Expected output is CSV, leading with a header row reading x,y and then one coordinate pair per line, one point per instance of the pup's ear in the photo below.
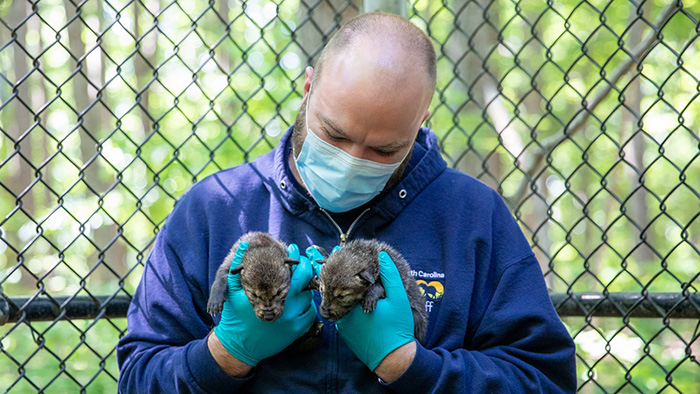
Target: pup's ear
x,y
366,276
237,269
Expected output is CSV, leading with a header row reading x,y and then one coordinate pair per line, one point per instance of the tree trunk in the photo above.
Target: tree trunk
x,y
224,59
87,123
638,209
43,196
22,121
482,94
469,45
398,7
146,49
317,24
91,130
20,130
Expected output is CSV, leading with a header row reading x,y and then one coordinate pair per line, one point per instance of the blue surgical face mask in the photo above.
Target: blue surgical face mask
x,y
337,180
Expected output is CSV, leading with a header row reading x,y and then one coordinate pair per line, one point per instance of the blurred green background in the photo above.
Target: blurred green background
x,y
583,115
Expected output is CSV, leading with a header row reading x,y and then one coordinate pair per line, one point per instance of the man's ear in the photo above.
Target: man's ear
x,y
427,114
308,77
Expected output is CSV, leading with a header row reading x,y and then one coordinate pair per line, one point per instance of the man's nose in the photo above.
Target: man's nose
x,y
356,150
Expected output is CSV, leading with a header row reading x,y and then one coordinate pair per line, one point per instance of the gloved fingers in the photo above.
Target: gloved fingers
x,y
301,276
335,249
317,258
238,256
391,279
298,305
355,312
235,279
309,316
314,254
301,322
293,251
317,268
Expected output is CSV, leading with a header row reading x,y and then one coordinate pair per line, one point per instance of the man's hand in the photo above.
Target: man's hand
x,y
383,332
317,258
250,339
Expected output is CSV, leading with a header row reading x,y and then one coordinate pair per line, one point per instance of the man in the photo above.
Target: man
x,y
356,164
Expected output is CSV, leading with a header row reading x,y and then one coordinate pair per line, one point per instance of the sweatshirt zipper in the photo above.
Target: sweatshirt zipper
x,y
344,235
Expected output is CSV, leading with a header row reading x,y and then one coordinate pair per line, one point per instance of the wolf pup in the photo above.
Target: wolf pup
x,y
351,275
266,275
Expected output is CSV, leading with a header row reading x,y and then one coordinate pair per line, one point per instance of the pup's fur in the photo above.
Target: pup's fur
x,y
265,276
351,275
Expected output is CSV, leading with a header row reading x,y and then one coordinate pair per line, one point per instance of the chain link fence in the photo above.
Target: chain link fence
x,y
583,115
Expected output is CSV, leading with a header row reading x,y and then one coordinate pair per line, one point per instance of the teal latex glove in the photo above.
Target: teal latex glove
x,y
250,339
372,336
315,256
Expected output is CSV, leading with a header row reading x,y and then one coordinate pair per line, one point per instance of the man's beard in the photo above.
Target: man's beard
x,y
299,131
299,135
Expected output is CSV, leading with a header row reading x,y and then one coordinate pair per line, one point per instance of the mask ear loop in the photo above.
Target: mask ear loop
x,y
306,121
308,130
308,101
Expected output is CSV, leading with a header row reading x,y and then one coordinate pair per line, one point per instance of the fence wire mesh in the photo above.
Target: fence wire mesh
x,y
583,115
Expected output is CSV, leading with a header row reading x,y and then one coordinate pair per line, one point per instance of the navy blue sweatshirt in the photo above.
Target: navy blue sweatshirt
x,y
492,327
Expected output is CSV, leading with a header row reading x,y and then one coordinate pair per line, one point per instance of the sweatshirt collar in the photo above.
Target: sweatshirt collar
x,y
425,165
428,165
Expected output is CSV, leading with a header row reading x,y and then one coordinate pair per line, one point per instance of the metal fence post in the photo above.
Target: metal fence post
x,y
4,311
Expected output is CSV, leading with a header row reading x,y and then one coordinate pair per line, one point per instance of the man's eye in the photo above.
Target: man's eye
x,y
333,137
384,153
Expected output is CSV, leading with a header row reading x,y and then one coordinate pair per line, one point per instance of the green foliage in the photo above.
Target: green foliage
x,y
61,357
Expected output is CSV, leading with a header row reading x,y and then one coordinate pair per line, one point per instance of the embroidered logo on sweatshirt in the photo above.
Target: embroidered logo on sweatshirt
x,y
432,290
430,286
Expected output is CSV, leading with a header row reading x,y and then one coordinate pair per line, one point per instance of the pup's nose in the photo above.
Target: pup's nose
x,y
268,316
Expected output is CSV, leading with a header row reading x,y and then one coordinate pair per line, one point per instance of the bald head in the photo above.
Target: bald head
x,y
385,47
372,87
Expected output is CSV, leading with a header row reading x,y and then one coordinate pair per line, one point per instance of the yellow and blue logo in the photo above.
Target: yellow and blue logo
x,y
432,290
